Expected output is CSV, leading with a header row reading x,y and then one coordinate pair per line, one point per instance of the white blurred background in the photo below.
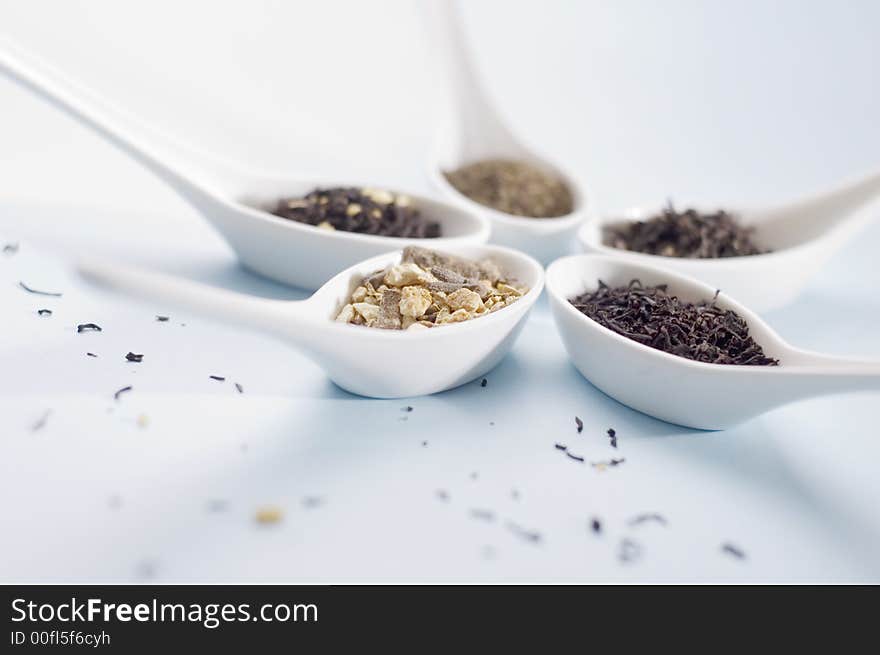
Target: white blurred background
x,y
706,99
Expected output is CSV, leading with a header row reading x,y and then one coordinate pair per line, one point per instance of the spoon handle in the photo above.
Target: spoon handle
x,y
279,317
471,118
141,145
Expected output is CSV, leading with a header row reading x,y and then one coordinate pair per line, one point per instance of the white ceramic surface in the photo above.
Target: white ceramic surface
x,y
365,361
472,130
679,390
231,198
802,234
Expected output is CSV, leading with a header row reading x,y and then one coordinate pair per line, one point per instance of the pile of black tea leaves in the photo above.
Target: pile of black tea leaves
x,y
689,234
649,315
362,210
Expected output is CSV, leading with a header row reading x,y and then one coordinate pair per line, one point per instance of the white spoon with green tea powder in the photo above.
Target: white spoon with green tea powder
x,y
801,235
680,390
471,131
230,198
363,360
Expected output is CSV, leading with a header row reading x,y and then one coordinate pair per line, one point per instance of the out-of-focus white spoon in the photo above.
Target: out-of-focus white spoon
x,y
471,130
679,390
802,235
231,198
366,361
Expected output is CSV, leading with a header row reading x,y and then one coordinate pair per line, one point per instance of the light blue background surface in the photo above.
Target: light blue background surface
x,y
748,104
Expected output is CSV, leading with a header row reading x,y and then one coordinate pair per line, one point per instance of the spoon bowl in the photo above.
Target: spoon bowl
x,y
471,130
679,390
365,361
801,235
231,199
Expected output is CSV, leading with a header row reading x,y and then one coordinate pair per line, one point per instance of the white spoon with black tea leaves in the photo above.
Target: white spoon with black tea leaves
x,y
472,131
363,360
801,236
679,390
232,200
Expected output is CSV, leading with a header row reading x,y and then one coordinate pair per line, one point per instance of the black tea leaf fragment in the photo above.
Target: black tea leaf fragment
x,y
408,408
596,526
121,391
41,422
39,293
647,518
44,312
560,446
612,435
162,319
91,354
483,514
239,388
532,536
484,382
88,327
133,357
733,551
579,424
218,378
577,458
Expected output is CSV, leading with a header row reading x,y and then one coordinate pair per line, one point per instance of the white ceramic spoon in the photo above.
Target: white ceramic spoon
x,y
679,390
803,235
230,198
471,130
366,361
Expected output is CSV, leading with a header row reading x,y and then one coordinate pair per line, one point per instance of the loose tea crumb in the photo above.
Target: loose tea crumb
x,y
239,388
91,354
649,315
579,423
218,378
532,536
268,515
121,391
133,357
39,293
560,446
629,551
601,466
366,211
612,436
689,234
88,327
484,382
408,408
428,289
513,187
647,518
577,458
41,422
596,526
162,319
44,312
483,514
733,551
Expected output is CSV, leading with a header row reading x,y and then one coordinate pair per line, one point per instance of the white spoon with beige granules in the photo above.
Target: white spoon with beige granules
x,y
423,321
